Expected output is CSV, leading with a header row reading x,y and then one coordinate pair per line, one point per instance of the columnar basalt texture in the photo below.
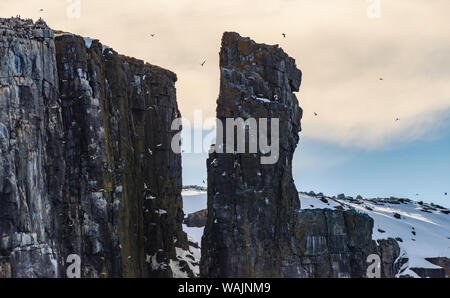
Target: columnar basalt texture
x,y
118,112
32,166
252,207
335,244
255,227
86,165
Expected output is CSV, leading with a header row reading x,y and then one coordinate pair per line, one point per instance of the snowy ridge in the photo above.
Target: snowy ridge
x,y
422,230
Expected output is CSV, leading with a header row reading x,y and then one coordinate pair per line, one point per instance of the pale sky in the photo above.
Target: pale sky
x,y
341,51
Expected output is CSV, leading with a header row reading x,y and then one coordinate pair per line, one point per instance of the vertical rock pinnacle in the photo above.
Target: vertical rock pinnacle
x,y
252,199
255,227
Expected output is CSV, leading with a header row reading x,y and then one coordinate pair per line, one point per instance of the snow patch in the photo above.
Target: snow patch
x,y
161,212
88,42
422,234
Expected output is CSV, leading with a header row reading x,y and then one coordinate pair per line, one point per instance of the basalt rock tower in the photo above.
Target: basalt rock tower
x,y
255,227
252,206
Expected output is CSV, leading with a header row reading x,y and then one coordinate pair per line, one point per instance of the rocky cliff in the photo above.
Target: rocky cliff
x,y
255,227
32,166
85,161
336,244
86,168
252,207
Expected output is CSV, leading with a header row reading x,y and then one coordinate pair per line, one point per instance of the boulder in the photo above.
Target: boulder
x,y
196,219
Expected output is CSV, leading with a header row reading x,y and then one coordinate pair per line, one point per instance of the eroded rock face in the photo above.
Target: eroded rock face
x,y
32,166
196,219
251,206
255,227
330,243
442,262
119,112
5,268
391,262
337,244
85,160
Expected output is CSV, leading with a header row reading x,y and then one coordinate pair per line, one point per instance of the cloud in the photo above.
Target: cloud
x,y
341,52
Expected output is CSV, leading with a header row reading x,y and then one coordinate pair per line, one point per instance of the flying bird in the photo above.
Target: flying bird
x,y
203,63
445,194
381,79
41,9
284,35
315,114
152,35
397,119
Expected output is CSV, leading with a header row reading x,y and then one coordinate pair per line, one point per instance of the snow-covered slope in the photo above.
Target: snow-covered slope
x,y
193,201
422,230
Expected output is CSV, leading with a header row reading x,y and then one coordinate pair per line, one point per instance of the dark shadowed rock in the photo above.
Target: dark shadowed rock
x,y
32,166
86,165
196,219
389,252
430,273
255,227
118,111
251,207
5,268
330,243
442,262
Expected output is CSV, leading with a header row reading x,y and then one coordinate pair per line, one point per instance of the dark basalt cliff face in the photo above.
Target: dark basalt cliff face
x,y
85,161
254,226
335,244
32,166
252,207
